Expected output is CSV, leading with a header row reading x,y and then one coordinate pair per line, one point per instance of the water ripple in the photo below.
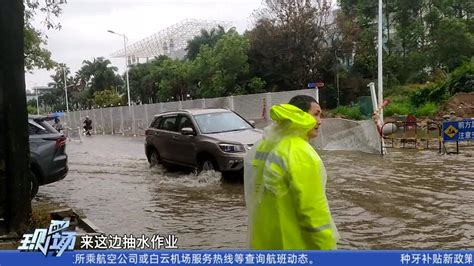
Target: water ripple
x,y
406,200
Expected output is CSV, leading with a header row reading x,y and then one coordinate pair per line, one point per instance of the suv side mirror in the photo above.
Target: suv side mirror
x,y
252,123
187,131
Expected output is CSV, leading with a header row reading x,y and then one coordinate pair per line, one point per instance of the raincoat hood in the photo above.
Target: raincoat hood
x,y
289,120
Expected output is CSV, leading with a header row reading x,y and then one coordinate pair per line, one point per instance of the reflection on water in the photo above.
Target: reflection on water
x,y
405,200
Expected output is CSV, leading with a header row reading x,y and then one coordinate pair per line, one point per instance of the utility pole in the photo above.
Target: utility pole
x,y
379,57
65,89
125,40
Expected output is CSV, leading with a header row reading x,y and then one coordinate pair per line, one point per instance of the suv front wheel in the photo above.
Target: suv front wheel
x,y
207,164
154,158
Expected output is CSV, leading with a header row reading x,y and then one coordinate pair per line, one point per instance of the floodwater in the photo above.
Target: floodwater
x,y
407,199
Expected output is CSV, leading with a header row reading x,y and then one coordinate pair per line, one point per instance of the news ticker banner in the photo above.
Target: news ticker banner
x,y
238,257
56,246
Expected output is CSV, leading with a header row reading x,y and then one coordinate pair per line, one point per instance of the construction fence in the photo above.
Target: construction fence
x,y
133,120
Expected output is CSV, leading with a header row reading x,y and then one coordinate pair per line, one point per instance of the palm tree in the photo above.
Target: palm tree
x,y
98,74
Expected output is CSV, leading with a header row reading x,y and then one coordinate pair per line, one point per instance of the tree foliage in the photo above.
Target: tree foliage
x,y
94,76
224,69
287,43
420,37
208,38
99,75
299,41
219,69
106,98
36,56
144,81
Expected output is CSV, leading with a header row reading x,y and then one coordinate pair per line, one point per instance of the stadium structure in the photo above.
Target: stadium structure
x,y
170,41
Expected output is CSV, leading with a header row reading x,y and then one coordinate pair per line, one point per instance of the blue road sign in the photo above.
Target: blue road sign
x,y
458,130
312,85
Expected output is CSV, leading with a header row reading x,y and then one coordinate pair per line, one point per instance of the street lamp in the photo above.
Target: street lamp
x,y
65,89
125,39
37,102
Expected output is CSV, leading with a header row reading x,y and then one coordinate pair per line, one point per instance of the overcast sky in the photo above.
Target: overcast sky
x,y
85,23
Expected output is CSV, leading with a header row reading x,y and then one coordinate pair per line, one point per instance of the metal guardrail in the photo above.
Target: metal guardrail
x,y
409,132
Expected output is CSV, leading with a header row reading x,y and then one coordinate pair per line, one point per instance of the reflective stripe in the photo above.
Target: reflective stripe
x,y
273,158
318,229
261,155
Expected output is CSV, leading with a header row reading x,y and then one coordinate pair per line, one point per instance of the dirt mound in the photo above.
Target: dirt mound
x,y
460,105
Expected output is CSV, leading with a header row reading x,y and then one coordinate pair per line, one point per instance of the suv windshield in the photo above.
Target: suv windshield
x,y
220,122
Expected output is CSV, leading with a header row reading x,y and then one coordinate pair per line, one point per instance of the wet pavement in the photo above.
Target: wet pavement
x,y
406,200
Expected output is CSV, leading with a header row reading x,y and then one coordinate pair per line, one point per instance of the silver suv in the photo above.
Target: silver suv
x,y
48,162
204,139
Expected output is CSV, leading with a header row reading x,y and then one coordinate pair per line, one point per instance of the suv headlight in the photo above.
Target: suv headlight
x,y
232,148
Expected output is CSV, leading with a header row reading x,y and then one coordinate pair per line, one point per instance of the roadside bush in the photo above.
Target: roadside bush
x,y
460,80
427,109
351,112
420,96
31,110
399,108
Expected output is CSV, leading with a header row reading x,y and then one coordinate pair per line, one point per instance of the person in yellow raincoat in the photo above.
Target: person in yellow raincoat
x,y
285,183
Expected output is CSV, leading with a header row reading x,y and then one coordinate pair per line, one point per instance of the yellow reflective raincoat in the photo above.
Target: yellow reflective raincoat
x,y
285,182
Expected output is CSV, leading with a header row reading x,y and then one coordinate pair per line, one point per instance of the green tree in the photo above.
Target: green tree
x,y
99,74
208,38
106,98
256,85
52,100
96,75
224,69
421,36
31,107
55,98
174,81
36,56
287,43
451,52
145,78
32,110
81,99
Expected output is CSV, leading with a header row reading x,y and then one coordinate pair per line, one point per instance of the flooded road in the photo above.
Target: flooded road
x,y
405,200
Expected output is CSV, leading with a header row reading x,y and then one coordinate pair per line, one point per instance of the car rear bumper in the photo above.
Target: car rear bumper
x,y
57,171
56,176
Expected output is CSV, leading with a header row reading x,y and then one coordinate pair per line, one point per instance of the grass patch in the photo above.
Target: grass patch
x,y
427,109
9,245
40,216
398,108
351,112
403,106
